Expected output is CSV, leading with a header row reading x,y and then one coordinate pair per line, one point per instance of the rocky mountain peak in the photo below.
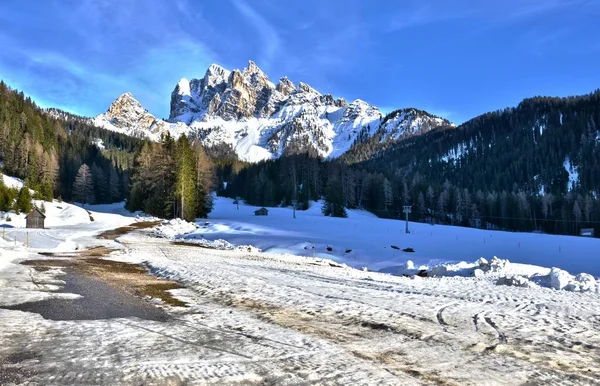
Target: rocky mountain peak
x,y
303,87
215,75
260,120
125,104
285,86
252,68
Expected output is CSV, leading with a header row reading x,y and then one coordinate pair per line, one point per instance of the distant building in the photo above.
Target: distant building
x,y
587,232
261,212
35,219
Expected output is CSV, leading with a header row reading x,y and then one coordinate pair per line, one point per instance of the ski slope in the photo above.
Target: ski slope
x,y
369,239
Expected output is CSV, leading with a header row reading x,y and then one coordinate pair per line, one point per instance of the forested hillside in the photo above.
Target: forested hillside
x,y
533,167
47,149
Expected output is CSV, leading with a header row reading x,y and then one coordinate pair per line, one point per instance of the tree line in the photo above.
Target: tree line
x,y
535,167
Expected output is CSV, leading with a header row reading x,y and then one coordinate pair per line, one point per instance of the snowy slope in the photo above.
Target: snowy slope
x,y
260,119
12,182
369,239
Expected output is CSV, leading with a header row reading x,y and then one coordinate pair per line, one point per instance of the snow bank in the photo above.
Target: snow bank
x,y
174,228
179,230
503,272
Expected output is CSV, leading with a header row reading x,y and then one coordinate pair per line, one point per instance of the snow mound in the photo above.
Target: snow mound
x,y
174,228
503,272
562,280
179,230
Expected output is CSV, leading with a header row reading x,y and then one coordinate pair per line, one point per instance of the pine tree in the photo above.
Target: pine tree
x,y
334,199
23,203
83,188
114,185
186,180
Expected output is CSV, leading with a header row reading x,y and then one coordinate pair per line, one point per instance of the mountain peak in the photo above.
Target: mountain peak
x,y
259,119
306,88
252,68
215,75
125,100
183,87
125,96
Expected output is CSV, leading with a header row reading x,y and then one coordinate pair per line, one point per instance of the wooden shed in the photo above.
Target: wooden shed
x,y
35,219
261,212
587,232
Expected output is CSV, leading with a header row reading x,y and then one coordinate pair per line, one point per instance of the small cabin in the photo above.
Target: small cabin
x,y
587,232
261,212
35,219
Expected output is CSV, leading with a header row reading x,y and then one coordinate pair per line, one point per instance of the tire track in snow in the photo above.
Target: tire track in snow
x,y
440,316
501,336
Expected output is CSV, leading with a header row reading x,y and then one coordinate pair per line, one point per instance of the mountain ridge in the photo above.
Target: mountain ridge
x,y
263,120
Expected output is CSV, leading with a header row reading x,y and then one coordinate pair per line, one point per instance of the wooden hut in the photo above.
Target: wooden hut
x,y
35,219
261,212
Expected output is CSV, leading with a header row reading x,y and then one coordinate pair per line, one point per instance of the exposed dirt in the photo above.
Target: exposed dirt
x,y
187,244
114,233
130,278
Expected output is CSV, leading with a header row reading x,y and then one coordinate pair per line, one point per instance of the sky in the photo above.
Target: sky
x,y
456,59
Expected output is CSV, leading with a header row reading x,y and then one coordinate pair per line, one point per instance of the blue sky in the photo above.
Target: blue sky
x,y
455,58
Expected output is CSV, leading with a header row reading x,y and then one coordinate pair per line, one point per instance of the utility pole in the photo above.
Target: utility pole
x,y
407,209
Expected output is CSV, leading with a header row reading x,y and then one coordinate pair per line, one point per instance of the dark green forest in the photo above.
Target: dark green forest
x,y
47,152
61,155
502,170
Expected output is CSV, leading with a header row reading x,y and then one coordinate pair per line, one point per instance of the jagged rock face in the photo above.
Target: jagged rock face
x,y
237,95
126,115
259,119
126,112
409,122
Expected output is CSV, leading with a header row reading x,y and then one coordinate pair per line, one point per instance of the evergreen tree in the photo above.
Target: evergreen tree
x,y
23,203
187,192
83,188
334,199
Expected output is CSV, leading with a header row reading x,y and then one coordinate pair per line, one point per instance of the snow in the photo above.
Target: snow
x,y
99,143
12,182
304,115
68,227
455,153
408,122
573,173
363,240
172,228
280,318
184,87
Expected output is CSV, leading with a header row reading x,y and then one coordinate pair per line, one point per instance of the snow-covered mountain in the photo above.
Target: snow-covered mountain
x,y
262,120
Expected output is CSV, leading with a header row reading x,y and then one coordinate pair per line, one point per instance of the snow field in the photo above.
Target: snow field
x,y
363,240
446,323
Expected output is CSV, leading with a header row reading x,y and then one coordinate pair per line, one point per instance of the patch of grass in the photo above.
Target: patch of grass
x,y
159,291
112,266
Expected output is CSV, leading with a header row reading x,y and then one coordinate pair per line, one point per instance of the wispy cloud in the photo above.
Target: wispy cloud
x,y
267,32
113,47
